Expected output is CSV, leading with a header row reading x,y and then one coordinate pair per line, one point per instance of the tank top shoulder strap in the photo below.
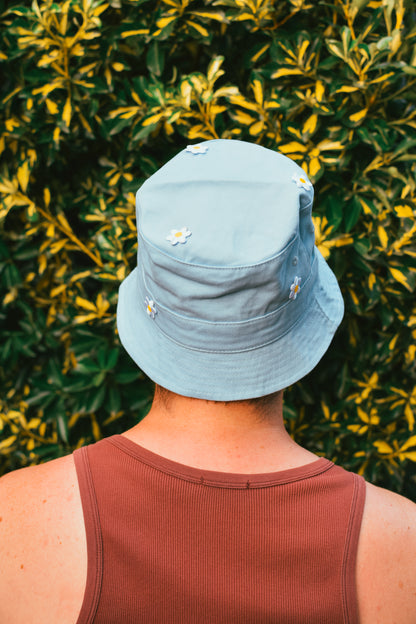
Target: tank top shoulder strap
x,y
350,602
93,536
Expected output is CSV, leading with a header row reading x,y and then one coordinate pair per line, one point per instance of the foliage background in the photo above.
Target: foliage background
x,y
97,95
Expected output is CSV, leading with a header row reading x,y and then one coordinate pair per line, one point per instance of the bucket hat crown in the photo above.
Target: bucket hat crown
x,y
230,298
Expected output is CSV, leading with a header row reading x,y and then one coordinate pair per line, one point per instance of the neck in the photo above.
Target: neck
x,y
238,436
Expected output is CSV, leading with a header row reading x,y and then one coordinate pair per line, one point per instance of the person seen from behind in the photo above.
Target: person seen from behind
x,y
207,511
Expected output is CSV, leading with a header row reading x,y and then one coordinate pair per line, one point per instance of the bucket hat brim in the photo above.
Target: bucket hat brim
x,y
237,375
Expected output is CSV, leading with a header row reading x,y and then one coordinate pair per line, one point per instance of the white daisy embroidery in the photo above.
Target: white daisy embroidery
x,y
302,181
150,307
179,236
295,288
197,149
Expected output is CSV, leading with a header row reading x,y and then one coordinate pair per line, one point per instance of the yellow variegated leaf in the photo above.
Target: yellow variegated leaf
x,y
23,176
57,290
258,54
270,104
214,67
202,31
11,296
403,212
198,83
129,114
258,91
226,92
382,78
162,22
108,276
410,442
215,15
410,417
84,318
56,135
100,9
371,281
400,277
67,112
359,429
48,88
63,221
243,17
198,132
51,106
319,90
57,246
383,447
310,124
286,71
214,110
85,303
292,147
133,33
411,456
114,179
302,49
256,128
243,118
393,342
327,145
382,234
240,100
314,166
354,297
365,206
102,304
95,428
359,115
362,415
11,124
153,119
346,89
8,186
7,442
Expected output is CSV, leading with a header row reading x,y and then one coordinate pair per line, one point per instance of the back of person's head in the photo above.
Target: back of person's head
x,y
231,299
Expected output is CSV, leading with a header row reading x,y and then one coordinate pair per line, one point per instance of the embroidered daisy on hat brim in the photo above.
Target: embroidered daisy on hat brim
x,y
197,149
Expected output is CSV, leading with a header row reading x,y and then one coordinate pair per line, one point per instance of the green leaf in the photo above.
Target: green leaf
x,y
351,214
155,59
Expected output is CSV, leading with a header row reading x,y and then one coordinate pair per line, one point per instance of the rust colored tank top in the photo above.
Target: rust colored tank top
x,y
168,543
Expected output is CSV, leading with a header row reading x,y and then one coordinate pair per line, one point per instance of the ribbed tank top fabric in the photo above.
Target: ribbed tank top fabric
x,y
169,543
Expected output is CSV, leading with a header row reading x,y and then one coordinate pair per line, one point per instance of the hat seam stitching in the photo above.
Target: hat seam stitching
x,y
217,267
227,323
264,344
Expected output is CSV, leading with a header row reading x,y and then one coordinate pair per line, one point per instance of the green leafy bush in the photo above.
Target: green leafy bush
x,y
97,95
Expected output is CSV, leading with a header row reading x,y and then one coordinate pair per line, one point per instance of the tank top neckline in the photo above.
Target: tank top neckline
x,y
215,478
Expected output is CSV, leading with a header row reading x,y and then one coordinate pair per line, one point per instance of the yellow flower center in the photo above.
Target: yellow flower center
x,y
149,309
296,288
178,234
302,180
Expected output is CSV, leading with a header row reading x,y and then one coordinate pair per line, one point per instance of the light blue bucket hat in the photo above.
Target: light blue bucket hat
x,y
230,299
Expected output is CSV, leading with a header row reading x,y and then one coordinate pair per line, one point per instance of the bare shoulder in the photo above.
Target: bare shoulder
x,y
386,559
42,544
